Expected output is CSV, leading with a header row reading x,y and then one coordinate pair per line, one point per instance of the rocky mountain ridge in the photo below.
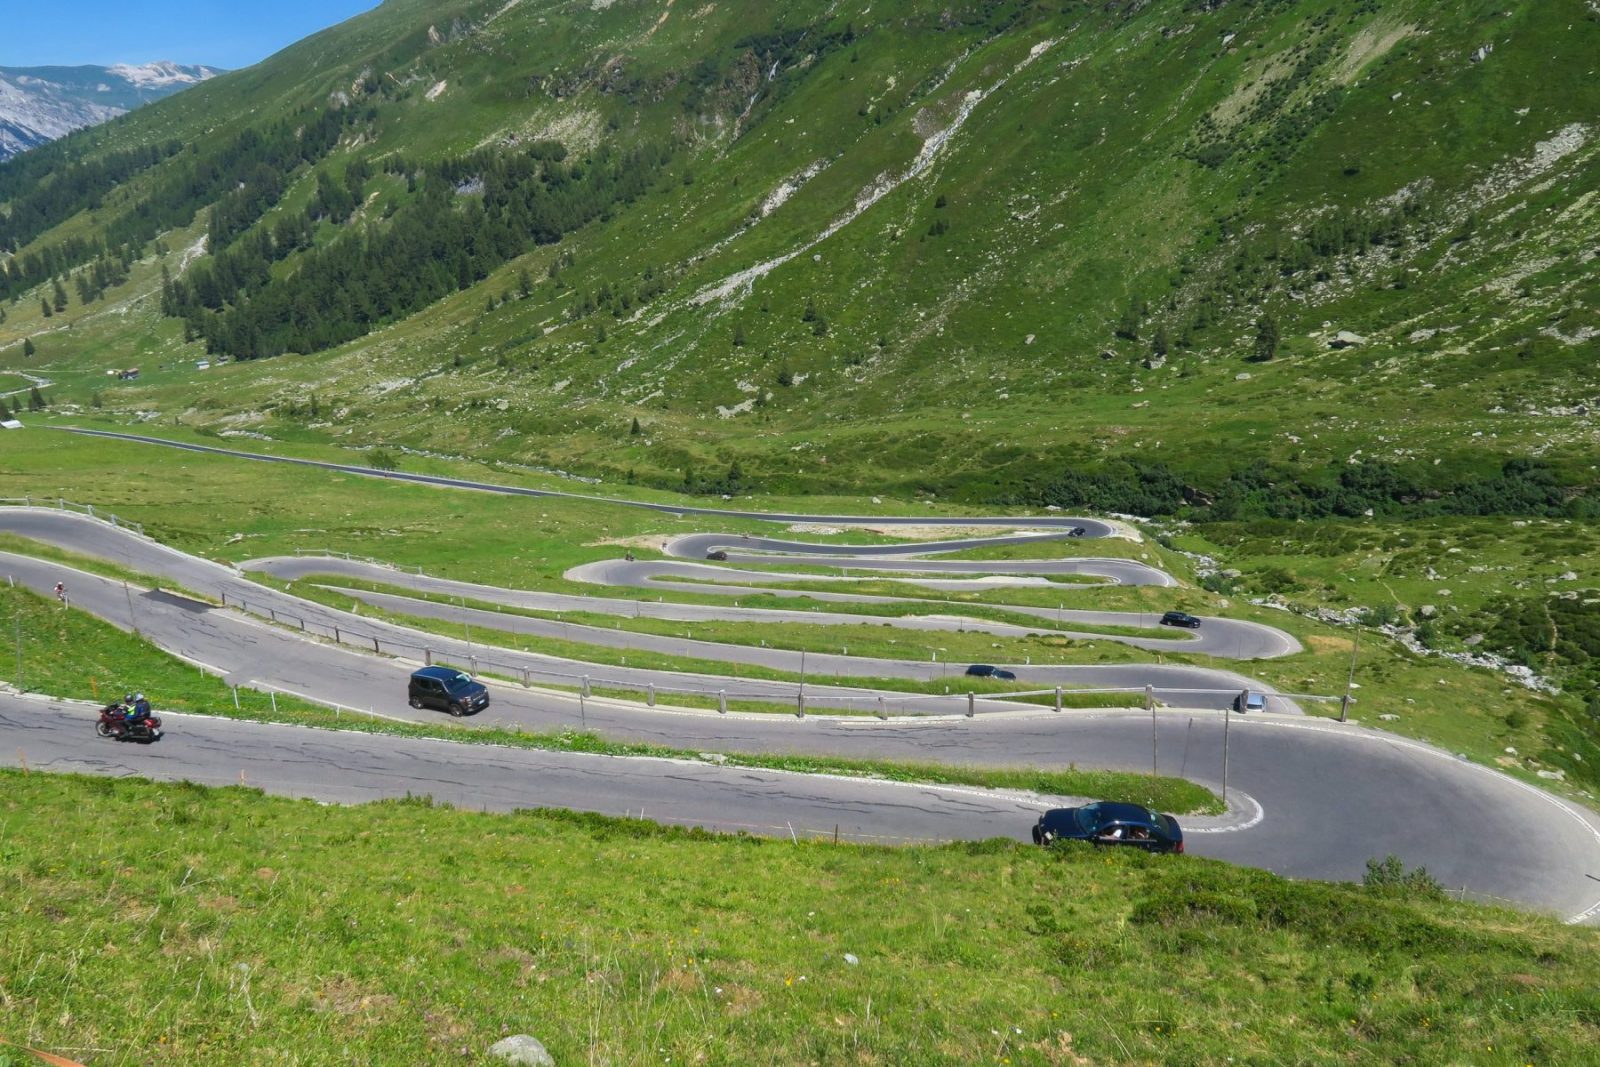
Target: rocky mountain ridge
x,y
40,104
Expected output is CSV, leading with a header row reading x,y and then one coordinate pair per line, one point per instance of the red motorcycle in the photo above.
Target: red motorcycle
x,y
114,723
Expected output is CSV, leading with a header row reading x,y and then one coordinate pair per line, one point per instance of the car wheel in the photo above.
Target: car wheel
x,y
458,710
416,703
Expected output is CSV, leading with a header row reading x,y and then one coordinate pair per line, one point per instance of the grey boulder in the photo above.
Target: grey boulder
x,y
523,1051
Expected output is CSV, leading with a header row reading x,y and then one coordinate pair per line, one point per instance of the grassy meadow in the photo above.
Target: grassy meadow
x,y
237,928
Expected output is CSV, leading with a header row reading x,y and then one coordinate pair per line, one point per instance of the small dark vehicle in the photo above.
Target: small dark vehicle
x,y
447,689
1250,700
984,670
1077,531
114,723
717,554
1107,822
1181,618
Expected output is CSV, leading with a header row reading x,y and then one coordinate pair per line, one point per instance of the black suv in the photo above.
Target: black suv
x,y
447,689
1180,618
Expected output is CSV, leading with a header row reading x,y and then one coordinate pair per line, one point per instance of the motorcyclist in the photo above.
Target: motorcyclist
x,y
138,710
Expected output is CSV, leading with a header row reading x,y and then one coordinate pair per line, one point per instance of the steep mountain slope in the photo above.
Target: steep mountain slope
x,y
39,104
1293,258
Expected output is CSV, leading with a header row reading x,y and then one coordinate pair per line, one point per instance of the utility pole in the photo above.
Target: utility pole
x,y
1227,717
1150,702
133,620
1350,679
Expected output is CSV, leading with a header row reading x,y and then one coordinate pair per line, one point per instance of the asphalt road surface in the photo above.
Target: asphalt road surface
x,y
905,558
1223,638
1310,799
197,637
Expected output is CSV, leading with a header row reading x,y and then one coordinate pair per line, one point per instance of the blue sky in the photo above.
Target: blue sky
x,y
218,33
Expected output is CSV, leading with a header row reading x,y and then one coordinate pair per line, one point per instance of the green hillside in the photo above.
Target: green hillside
x,y
1010,252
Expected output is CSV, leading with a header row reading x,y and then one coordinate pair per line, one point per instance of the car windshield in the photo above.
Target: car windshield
x,y
457,680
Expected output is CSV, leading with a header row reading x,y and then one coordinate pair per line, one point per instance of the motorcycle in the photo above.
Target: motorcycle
x,y
114,723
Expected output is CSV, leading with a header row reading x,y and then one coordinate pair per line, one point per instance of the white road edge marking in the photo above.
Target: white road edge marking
x,y
1253,821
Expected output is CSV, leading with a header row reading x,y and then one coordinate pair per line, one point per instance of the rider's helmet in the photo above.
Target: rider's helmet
x,y
127,698
138,696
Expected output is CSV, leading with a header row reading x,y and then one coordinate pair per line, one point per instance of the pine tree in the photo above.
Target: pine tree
x,y
35,399
810,313
44,307
635,430
1266,339
27,346
169,303
1128,325
524,283
60,296
1158,344
738,335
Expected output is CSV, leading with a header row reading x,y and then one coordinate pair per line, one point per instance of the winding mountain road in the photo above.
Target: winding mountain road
x,y
1311,799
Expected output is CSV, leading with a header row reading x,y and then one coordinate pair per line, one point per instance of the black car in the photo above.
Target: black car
x,y
447,689
984,670
1077,531
1108,822
717,554
1180,618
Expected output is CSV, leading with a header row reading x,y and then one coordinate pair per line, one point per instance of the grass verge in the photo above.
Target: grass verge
x,y
283,930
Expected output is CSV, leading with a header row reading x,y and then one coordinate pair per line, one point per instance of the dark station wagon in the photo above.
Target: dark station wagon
x,y
1108,822
447,689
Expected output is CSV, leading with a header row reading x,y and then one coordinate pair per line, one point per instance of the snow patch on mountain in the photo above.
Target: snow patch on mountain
x,y
162,74
39,104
